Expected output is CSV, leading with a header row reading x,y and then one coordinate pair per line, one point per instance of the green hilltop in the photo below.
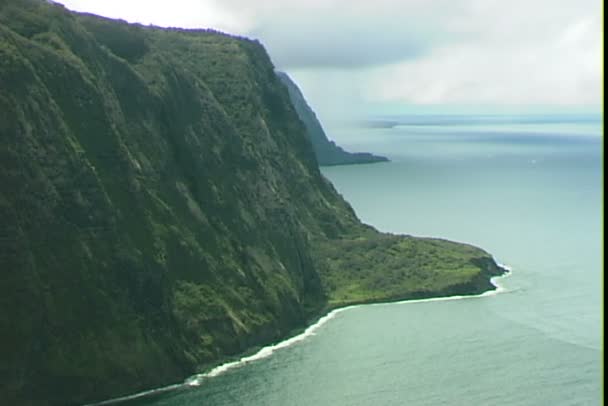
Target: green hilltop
x,y
162,209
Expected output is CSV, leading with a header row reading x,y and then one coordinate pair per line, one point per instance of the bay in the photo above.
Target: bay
x,y
528,190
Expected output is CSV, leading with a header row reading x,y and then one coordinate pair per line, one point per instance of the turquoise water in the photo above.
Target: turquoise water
x,y
533,198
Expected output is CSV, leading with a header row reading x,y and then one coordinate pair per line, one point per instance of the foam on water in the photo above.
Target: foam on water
x,y
267,351
138,395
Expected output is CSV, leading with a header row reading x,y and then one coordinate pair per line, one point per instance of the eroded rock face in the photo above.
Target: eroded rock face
x,y
161,207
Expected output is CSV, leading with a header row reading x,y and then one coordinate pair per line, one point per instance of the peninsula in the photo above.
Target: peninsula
x,y
326,151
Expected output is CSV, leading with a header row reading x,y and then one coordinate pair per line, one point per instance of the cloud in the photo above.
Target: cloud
x,y
346,34
321,44
530,60
348,55
177,13
505,54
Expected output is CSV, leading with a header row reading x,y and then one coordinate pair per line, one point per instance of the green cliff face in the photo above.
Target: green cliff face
x,y
326,151
162,208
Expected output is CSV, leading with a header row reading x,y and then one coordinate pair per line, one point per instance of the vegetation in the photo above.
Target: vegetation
x,y
380,267
162,208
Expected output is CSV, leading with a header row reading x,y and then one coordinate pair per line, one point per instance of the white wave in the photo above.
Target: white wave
x,y
267,351
499,288
137,395
503,266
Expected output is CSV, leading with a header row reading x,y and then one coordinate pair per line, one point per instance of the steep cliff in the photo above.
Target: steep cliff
x,y
162,208
327,152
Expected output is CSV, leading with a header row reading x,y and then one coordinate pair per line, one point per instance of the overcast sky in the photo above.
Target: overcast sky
x,y
409,55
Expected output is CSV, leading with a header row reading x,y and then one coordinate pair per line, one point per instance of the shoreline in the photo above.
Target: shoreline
x,y
267,351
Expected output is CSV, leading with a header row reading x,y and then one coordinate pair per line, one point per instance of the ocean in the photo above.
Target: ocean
x,y
527,189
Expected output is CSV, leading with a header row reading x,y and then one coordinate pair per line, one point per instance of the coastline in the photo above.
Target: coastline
x,y
298,335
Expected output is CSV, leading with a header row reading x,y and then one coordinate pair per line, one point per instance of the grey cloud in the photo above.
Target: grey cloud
x,y
350,53
319,43
349,33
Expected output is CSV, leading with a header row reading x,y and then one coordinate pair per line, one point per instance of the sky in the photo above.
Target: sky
x,y
353,57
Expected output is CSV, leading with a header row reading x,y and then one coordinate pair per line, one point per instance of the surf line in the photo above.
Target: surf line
x,y
311,330
265,352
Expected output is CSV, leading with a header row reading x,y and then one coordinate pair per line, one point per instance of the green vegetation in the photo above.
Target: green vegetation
x,y
162,209
380,267
327,152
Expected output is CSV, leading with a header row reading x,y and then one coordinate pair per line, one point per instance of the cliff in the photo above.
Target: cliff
x,y
162,208
327,152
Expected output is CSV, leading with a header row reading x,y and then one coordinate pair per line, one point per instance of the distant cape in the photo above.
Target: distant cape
x,y
327,152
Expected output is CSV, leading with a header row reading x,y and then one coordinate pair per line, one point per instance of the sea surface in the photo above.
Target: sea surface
x,y
527,189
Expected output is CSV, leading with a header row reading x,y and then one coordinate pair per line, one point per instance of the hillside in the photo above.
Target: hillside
x,y
326,151
162,208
